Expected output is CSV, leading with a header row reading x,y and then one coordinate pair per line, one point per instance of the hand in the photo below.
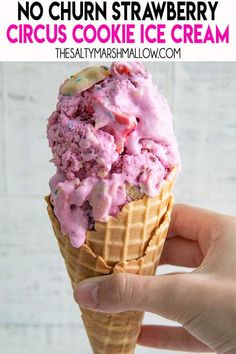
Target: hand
x,y
202,301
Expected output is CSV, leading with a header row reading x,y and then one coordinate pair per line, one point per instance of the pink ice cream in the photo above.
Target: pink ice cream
x,y
111,129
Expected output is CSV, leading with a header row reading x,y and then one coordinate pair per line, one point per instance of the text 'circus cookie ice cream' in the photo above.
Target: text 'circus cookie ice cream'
x,y
112,140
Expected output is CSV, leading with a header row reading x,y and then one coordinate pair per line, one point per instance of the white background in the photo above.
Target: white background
x,y
225,15
37,312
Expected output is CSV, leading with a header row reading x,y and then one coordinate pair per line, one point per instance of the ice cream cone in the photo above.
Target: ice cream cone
x,y
130,243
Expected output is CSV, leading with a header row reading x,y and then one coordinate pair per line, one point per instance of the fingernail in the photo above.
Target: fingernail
x,y
86,294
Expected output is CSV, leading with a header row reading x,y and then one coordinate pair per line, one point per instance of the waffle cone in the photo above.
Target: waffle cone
x,y
130,243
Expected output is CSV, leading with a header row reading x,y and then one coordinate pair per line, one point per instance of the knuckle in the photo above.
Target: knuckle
x,y
121,290
120,287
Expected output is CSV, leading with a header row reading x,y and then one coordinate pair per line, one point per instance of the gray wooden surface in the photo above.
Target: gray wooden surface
x,y
37,313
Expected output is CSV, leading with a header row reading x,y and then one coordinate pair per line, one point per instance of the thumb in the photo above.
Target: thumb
x,y
169,296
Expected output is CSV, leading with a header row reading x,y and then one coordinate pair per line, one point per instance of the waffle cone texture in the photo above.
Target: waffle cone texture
x,y
132,243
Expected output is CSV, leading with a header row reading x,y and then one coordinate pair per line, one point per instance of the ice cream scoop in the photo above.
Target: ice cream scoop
x,y
111,134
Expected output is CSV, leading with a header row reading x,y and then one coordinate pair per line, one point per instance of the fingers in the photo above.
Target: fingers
x,y
193,232
193,224
181,252
170,338
173,296
187,221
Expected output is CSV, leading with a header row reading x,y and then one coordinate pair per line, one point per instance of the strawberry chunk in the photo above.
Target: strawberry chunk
x,y
90,109
122,119
119,148
123,69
